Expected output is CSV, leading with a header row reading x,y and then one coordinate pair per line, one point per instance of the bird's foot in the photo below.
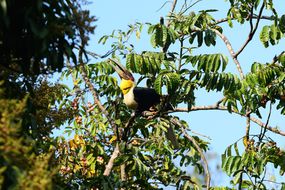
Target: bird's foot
x,y
149,114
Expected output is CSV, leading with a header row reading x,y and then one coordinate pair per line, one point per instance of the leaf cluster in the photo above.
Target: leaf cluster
x,y
249,168
35,36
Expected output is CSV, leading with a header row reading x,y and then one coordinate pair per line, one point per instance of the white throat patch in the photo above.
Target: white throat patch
x,y
129,100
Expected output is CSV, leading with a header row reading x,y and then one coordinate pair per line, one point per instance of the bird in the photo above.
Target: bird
x,y
136,98
140,99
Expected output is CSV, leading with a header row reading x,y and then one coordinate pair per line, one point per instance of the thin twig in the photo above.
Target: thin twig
x,y
220,21
196,133
123,172
247,128
232,53
276,58
262,133
180,53
252,31
166,46
116,152
272,129
251,19
206,167
189,7
171,11
163,5
251,34
93,91
224,108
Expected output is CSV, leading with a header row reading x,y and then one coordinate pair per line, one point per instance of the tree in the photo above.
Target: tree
x,y
36,37
111,148
147,160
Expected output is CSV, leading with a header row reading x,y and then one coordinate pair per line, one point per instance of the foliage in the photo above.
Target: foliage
x,y
20,167
36,39
147,158
252,162
109,147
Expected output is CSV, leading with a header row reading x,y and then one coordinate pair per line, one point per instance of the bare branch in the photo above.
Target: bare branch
x,y
232,53
262,133
93,91
188,7
123,172
110,164
253,17
276,58
171,11
252,30
163,5
199,134
247,128
223,108
206,167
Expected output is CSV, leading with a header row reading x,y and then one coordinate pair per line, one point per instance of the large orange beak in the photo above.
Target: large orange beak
x,y
121,70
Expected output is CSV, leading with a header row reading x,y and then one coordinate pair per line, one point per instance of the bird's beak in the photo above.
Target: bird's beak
x,y
121,70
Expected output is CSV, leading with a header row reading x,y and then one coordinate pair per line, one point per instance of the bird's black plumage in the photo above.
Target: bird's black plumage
x,y
145,98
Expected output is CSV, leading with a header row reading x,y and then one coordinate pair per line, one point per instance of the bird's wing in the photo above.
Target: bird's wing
x,y
146,98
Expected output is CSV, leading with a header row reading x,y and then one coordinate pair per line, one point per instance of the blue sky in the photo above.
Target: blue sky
x,y
223,128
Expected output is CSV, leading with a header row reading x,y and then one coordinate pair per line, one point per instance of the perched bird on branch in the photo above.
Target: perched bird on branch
x,y
140,99
137,98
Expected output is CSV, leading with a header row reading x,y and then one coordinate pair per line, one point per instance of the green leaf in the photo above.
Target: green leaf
x,y
173,81
200,38
281,59
236,149
233,163
246,184
264,36
273,32
103,39
158,84
217,63
130,60
164,34
225,61
153,41
282,24
228,165
237,177
207,38
230,21
283,186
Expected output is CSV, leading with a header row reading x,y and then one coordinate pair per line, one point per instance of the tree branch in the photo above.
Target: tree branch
x,y
247,129
253,17
232,53
93,91
206,167
171,11
224,108
110,164
252,30
250,36
276,58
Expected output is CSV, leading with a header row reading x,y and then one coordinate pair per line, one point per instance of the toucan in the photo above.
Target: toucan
x,y
139,99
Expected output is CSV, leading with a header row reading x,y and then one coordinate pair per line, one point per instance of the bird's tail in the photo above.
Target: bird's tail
x,y
170,135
